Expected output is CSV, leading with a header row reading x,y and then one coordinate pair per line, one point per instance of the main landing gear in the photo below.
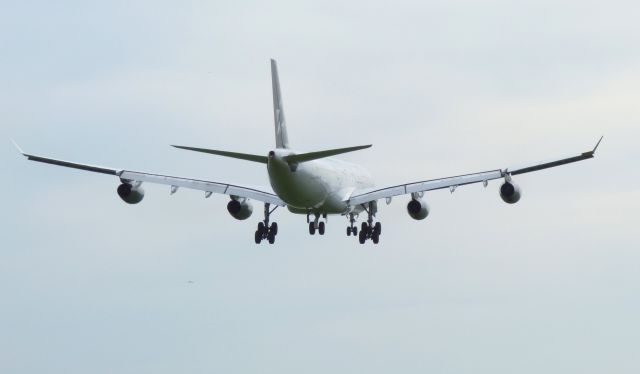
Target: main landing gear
x,y
316,224
369,230
265,231
352,229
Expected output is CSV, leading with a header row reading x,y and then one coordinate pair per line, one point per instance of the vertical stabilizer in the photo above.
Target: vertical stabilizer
x,y
282,140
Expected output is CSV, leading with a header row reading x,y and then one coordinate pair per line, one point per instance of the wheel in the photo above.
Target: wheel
x,y
355,231
378,228
258,237
271,238
348,231
312,228
321,228
274,228
363,237
364,226
375,237
260,227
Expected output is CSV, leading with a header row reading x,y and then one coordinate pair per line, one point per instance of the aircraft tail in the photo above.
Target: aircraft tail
x,y
282,140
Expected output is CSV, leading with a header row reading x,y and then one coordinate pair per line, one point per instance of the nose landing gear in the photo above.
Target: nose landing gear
x,y
265,231
317,224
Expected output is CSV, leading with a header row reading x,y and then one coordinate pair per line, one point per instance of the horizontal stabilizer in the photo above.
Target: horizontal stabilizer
x,y
303,157
241,156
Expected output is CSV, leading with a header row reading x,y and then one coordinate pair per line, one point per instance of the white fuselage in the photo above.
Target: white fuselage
x,y
318,186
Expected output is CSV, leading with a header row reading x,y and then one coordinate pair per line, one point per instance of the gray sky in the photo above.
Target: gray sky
x,y
89,284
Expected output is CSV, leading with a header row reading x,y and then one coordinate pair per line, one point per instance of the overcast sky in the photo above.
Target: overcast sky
x,y
89,284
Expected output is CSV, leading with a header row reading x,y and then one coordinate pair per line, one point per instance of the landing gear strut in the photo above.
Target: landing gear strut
x,y
352,229
369,230
316,224
265,231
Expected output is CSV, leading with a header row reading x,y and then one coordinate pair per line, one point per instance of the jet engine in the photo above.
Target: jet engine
x,y
418,209
240,209
130,194
510,192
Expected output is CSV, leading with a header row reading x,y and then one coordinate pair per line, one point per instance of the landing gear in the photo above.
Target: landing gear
x,y
317,224
369,230
265,231
352,229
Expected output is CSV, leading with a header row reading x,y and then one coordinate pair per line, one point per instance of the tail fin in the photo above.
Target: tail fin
x,y
282,140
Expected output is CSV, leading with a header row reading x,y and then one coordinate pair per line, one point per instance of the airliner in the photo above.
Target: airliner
x,y
312,183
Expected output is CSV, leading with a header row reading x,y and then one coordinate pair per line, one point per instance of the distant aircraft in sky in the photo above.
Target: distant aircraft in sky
x,y
312,183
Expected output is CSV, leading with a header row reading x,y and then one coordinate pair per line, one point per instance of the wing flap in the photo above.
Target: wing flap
x,y
207,186
453,182
194,184
430,185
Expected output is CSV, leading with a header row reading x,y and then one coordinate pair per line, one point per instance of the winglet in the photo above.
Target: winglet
x,y
597,144
17,146
590,154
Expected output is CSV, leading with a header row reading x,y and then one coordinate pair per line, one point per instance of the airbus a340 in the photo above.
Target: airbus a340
x,y
312,183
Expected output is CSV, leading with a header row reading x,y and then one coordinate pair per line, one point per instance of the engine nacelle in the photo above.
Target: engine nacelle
x,y
510,192
240,209
130,194
418,209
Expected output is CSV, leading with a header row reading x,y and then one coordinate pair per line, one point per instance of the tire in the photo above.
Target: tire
x,y
274,228
375,238
363,237
258,237
321,228
261,227
355,231
348,231
377,228
364,227
271,238
312,228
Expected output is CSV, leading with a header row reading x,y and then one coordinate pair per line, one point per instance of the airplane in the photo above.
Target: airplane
x,y
312,183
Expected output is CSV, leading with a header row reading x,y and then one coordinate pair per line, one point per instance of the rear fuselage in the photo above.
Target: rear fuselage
x,y
318,186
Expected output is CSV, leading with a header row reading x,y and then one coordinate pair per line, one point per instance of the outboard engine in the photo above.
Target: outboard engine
x,y
510,192
130,194
418,209
240,209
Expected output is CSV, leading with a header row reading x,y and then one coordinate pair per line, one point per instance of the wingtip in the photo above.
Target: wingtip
x,y
597,144
17,146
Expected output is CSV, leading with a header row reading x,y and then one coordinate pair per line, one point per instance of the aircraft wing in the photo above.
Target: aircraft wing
x,y
175,182
452,183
